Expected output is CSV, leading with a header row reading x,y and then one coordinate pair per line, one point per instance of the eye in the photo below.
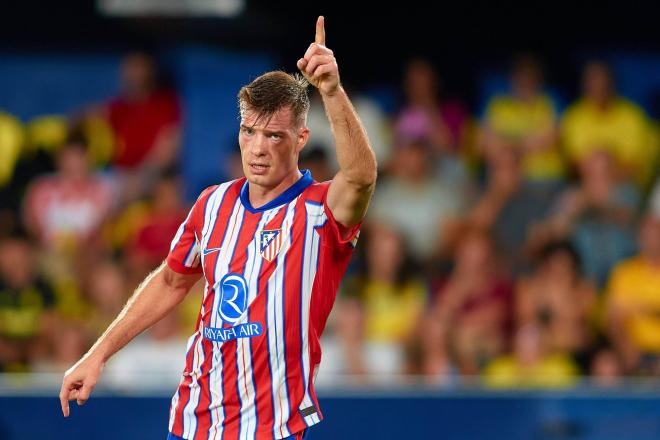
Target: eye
x,y
276,137
248,131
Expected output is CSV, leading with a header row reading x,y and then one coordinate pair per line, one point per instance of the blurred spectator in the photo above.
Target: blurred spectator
x,y
509,207
385,322
601,120
11,143
598,215
106,289
469,323
633,304
373,118
426,117
525,121
530,365
606,368
83,316
12,139
46,134
558,302
150,243
314,158
66,209
381,306
415,201
146,120
27,304
39,141
654,199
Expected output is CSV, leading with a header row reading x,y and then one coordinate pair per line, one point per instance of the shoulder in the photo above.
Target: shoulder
x,y
576,110
116,105
546,102
525,285
500,99
230,186
214,196
627,107
315,197
498,103
317,191
629,265
45,183
206,194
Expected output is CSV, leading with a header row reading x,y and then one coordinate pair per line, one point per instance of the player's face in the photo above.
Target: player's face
x,y
270,147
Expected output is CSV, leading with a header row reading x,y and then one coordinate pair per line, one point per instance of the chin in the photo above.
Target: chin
x,y
257,179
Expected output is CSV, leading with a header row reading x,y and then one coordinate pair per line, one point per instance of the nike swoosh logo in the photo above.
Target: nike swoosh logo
x,y
210,250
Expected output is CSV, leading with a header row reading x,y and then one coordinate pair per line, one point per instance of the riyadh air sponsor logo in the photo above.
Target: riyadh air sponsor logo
x,y
246,330
233,293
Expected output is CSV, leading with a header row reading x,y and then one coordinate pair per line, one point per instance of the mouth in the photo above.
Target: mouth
x,y
258,168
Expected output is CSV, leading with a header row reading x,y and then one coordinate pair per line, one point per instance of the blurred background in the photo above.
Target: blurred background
x,y
509,267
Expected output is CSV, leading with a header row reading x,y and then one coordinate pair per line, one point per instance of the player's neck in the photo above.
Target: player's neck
x,y
260,195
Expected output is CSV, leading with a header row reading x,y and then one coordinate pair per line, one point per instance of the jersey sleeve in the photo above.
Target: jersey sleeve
x,y
345,237
184,250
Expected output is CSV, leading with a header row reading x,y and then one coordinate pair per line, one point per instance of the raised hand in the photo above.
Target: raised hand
x,y
319,64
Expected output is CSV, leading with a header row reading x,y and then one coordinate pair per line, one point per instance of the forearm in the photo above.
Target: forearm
x,y
152,300
356,159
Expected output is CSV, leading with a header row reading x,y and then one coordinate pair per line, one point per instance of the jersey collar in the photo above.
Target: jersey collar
x,y
288,195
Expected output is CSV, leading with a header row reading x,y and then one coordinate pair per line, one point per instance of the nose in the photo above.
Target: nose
x,y
258,146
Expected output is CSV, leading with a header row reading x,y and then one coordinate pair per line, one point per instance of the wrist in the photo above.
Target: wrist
x,y
95,359
97,355
335,92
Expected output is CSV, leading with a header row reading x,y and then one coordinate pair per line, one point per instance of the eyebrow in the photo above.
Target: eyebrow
x,y
265,130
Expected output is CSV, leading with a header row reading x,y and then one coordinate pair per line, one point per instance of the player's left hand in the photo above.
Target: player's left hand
x,y
319,64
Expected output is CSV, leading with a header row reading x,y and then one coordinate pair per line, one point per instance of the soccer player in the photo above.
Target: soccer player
x,y
272,247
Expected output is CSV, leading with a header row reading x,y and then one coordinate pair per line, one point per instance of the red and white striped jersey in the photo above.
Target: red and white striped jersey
x,y
271,278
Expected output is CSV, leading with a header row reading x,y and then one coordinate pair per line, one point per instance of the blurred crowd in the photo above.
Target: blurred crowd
x,y
89,203
520,246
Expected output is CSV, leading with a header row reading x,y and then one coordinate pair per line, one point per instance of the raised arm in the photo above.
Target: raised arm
x,y
154,298
353,185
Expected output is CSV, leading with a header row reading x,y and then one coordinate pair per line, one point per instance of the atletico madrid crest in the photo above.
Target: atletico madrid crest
x,y
270,243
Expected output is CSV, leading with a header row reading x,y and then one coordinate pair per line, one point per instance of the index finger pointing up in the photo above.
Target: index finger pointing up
x,y
320,31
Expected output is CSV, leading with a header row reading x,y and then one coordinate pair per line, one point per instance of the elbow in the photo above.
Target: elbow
x,y
373,176
364,180
370,175
365,176
372,168
372,171
177,285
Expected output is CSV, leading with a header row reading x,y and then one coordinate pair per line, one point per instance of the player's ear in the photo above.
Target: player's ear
x,y
303,137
